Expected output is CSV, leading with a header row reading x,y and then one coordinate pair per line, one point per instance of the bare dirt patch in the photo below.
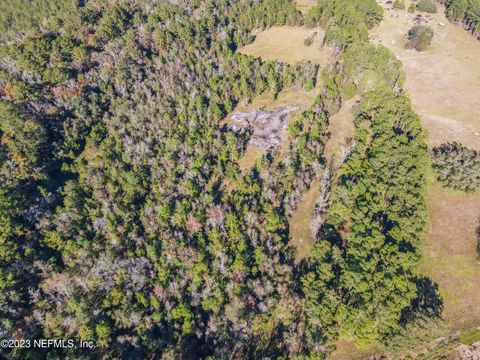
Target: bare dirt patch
x,y
444,81
286,44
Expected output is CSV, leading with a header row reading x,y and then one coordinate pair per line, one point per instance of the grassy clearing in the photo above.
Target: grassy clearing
x,y
305,5
341,129
301,235
444,81
286,44
346,350
450,256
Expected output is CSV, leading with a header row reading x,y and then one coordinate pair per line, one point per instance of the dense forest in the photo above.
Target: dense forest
x,y
126,220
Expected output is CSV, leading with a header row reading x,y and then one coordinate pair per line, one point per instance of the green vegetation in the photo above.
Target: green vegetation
x,y
457,166
125,218
428,6
412,8
465,11
367,252
470,337
420,37
346,21
399,4
309,40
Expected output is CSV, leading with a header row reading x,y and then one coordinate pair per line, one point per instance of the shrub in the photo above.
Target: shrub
x,y
457,166
399,4
427,6
309,40
420,37
412,8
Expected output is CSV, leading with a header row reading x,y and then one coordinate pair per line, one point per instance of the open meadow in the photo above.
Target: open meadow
x,y
444,85
286,44
443,81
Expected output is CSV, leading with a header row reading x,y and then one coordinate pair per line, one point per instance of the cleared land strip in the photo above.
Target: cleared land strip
x,y
341,130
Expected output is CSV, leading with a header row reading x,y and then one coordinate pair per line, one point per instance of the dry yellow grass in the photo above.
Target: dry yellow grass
x,y
341,129
289,96
444,81
286,44
450,256
346,350
305,5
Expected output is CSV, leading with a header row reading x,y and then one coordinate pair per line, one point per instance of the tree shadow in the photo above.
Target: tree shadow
x,y
428,302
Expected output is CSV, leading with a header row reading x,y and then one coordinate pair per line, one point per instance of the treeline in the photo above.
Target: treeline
x,y
346,22
466,12
368,244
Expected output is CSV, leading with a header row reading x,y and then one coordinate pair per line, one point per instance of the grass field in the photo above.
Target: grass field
x,y
444,81
286,44
450,256
300,233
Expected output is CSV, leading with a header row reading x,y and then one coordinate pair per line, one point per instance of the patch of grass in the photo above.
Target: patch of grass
x,y
449,255
304,6
286,44
470,337
341,128
250,157
301,235
347,350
